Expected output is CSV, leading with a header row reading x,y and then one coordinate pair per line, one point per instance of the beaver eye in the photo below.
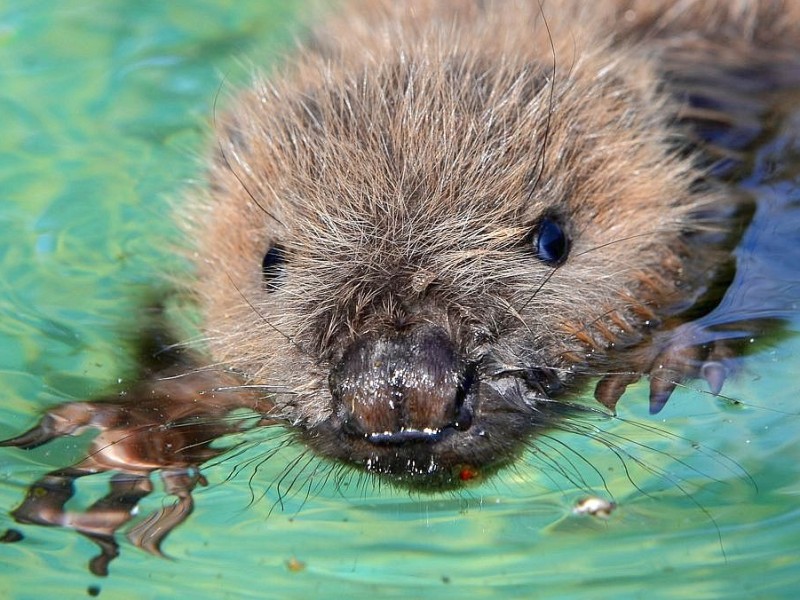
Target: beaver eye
x,y
550,243
273,268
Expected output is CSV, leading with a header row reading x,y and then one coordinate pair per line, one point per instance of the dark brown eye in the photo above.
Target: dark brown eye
x,y
273,268
550,243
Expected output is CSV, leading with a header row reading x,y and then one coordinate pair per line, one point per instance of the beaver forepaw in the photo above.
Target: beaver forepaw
x,y
692,352
688,352
157,426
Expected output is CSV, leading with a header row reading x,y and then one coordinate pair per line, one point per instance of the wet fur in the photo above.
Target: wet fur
x,y
403,169
404,172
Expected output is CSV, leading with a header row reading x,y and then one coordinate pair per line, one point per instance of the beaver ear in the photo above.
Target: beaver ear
x,y
273,267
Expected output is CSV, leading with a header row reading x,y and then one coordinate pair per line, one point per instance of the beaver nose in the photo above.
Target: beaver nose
x,y
403,387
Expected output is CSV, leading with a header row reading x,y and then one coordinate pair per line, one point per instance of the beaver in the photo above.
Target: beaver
x,y
419,241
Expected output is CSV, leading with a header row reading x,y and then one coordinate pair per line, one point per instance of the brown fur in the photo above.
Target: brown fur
x,y
332,150
405,163
402,159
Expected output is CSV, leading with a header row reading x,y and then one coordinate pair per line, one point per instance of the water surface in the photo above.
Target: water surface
x,y
104,108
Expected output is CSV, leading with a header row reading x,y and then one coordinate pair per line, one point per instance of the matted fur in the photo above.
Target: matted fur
x,y
404,165
403,157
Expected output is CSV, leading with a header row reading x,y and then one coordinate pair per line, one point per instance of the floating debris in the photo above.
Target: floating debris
x,y
295,565
594,506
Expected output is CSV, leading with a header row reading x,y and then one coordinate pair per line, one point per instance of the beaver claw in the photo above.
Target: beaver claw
x,y
149,534
688,352
67,419
45,500
157,426
692,352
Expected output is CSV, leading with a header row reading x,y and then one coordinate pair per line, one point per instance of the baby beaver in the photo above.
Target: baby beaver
x,y
420,240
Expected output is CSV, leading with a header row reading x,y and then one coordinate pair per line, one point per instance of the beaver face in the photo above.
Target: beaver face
x,y
418,262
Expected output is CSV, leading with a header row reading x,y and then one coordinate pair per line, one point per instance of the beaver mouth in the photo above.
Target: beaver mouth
x,y
491,431
407,407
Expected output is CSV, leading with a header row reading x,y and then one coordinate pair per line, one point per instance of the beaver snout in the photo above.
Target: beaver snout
x,y
409,386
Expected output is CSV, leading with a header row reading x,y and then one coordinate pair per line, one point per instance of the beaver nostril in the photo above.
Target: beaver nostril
x,y
463,420
408,387
463,417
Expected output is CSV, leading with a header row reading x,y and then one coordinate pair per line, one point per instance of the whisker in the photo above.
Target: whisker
x,y
287,470
720,458
262,317
546,136
554,443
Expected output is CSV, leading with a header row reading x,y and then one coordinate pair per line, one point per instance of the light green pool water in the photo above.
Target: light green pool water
x,y
103,107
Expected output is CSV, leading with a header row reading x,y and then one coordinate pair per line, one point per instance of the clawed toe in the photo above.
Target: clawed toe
x,y
685,353
715,373
67,419
690,353
149,533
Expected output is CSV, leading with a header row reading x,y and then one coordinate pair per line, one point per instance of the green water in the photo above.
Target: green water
x,y
103,108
